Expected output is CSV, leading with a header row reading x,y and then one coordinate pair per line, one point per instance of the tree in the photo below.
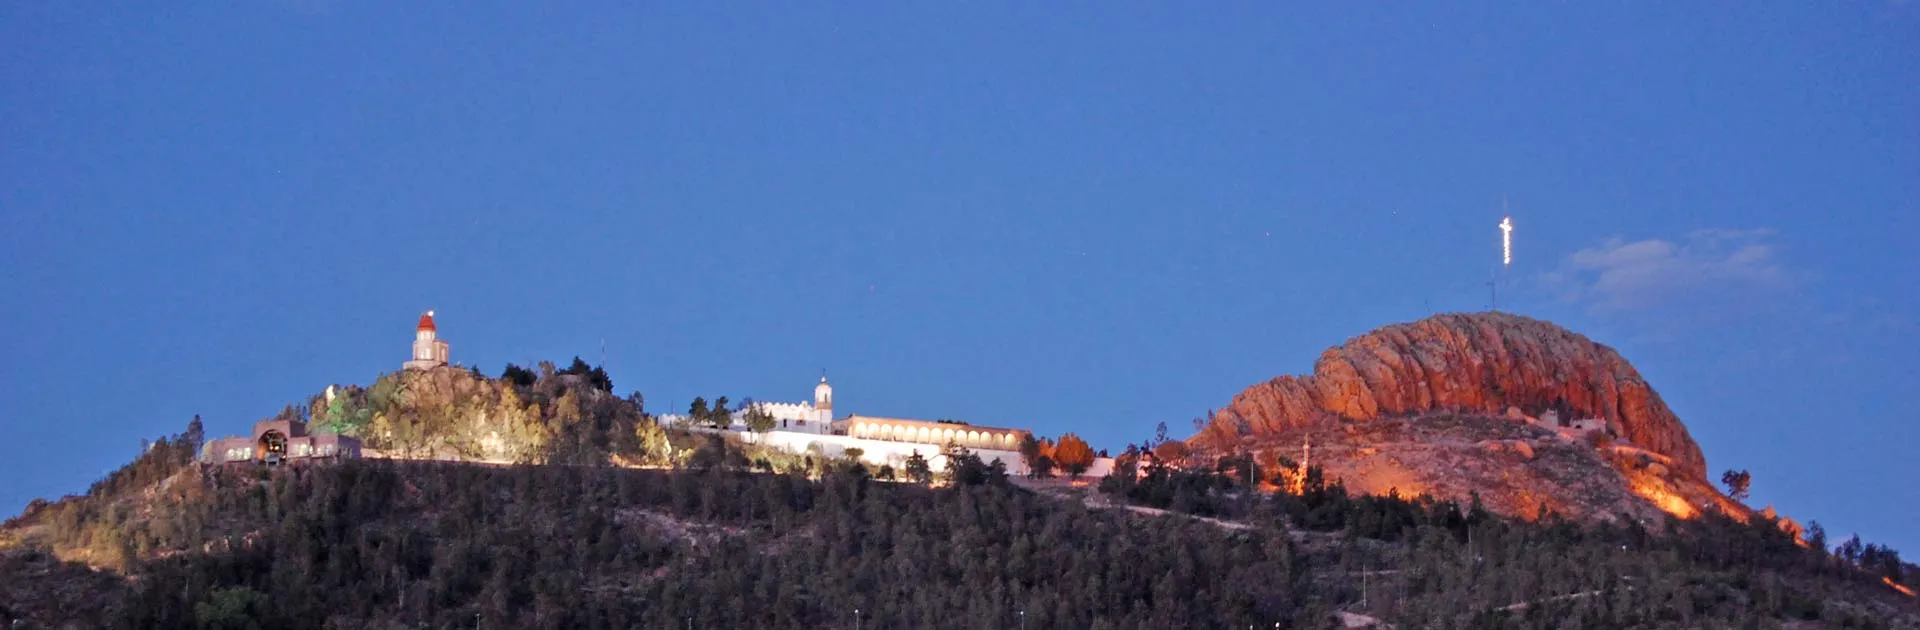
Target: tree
x,y
346,416
233,607
655,447
1816,537
1170,451
758,420
1042,467
1160,433
697,412
1073,455
965,469
1030,453
918,471
721,416
1849,550
518,376
1199,424
853,453
593,375
1738,482
1238,468
600,379
195,436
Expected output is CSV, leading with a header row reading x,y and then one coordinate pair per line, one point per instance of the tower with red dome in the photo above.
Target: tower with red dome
x,y
428,350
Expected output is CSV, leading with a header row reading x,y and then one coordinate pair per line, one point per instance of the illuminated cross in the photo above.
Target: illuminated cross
x,y
1506,240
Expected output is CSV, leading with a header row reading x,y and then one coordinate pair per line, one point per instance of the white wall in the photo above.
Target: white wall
x,y
883,452
876,452
1101,467
786,417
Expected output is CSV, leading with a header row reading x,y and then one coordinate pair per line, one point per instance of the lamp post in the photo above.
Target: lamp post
x,y
1023,620
856,619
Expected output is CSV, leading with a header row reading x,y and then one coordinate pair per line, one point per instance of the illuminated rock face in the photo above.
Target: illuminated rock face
x,y
1479,363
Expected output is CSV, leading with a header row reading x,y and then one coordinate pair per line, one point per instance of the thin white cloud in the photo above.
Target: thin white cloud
x,y
1708,267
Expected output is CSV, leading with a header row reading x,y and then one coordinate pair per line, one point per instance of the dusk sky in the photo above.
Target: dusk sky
x,y
1068,217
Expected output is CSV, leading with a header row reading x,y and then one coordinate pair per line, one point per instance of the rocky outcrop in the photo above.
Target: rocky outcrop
x,y
1481,363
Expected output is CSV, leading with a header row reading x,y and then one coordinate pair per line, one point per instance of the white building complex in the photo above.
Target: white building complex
x,y
803,427
810,426
800,417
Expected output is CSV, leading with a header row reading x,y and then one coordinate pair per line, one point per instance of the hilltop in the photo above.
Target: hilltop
x,y
403,544
542,500
1527,415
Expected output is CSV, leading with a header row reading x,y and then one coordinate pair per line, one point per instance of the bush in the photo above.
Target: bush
x,y
235,607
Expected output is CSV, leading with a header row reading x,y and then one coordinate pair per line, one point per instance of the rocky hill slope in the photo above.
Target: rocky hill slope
x,y
1499,380
393,544
572,509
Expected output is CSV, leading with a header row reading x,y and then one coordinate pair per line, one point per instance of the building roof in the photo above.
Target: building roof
x,y
426,321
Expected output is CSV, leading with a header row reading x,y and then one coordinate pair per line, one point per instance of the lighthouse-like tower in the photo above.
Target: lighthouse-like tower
x,y
428,350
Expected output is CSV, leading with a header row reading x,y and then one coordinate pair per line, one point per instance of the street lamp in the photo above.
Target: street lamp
x,y
856,619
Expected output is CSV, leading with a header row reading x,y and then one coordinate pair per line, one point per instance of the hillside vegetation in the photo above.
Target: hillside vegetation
x,y
574,509
458,545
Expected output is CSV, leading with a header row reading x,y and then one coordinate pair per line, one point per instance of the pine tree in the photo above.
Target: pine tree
x,y
917,469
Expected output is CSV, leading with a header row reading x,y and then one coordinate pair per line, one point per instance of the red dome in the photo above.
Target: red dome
x,y
426,321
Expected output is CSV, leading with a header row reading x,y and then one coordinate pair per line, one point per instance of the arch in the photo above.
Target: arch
x,y
271,443
925,435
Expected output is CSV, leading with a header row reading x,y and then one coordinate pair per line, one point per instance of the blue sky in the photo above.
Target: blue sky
x,y
1071,217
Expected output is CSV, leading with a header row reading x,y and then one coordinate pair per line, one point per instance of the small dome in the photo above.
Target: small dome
x,y
426,321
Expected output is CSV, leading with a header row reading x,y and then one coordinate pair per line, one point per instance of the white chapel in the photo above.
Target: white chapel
x,y
428,350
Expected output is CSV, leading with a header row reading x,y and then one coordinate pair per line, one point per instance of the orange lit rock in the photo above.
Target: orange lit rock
x,y
1483,363
1523,449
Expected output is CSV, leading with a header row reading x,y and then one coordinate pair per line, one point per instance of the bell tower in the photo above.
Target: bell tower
x,y
823,400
